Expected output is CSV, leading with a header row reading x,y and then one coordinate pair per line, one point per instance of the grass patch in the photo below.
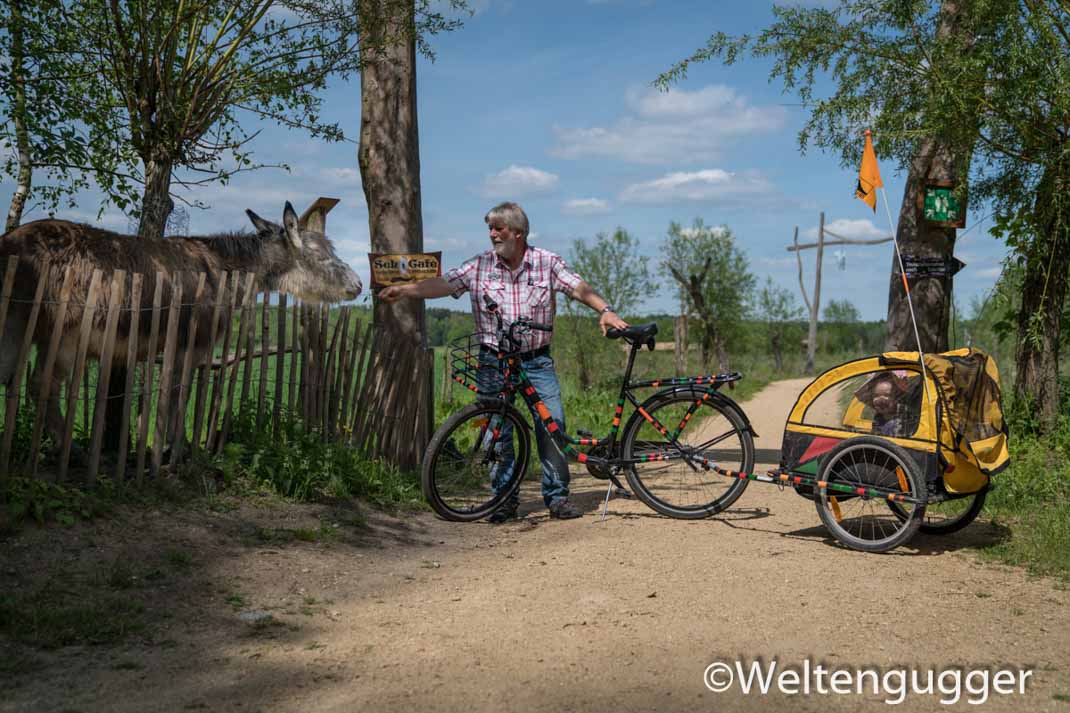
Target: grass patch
x,y
50,618
1032,500
178,559
300,464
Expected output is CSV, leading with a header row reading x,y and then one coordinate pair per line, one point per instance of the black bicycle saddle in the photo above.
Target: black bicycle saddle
x,y
636,333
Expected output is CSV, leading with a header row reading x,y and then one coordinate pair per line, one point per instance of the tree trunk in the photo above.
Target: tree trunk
x,y
933,161
931,295
389,157
1043,297
156,203
22,136
707,346
722,355
156,206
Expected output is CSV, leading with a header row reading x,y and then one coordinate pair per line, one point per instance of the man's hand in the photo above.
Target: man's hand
x,y
393,293
610,319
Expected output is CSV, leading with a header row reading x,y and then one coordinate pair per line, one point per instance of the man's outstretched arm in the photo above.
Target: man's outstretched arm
x,y
586,294
425,289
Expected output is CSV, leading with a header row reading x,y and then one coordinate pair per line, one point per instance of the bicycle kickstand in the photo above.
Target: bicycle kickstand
x,y
605,505
613,485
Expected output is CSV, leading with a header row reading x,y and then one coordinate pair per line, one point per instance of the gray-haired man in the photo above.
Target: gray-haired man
x,y
521,279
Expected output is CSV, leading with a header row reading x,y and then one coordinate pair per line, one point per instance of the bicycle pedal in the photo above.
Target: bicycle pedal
x,y
584,434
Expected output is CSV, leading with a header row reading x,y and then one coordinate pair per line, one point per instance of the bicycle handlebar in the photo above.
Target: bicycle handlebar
x,y
523,323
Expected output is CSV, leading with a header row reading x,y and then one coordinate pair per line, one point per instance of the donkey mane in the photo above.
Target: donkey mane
x,y
242,246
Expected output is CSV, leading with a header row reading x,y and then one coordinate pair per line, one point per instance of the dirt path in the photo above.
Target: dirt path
x,y
543,615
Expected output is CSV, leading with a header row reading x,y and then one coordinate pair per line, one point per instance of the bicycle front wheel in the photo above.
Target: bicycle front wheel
x,y
672,481
475,461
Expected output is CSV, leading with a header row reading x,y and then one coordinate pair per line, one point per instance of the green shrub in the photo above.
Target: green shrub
x,y
298,463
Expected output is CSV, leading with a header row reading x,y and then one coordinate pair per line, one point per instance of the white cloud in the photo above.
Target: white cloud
x,y
715,230
862,229
585,206
433,243
666,127
989,272
345,176
777,263
712,184
518,180
111,220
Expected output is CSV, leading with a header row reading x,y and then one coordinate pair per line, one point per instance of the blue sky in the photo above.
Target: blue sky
x,y
549,103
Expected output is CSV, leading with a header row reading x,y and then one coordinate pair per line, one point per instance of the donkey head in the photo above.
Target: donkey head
x,y
306,264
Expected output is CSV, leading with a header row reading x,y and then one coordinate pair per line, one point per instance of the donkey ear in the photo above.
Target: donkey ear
x,y
261,225
289,221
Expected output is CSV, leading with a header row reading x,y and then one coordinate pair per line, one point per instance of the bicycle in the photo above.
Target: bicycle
x,y
478,457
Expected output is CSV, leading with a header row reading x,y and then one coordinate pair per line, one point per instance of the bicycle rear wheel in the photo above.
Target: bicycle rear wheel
x,y
679,487
475,447
948,516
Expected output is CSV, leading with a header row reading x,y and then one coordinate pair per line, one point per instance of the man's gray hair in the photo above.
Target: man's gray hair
x,y
511,215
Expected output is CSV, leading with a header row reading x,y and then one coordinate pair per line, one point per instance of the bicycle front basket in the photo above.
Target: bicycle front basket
x,y
464,359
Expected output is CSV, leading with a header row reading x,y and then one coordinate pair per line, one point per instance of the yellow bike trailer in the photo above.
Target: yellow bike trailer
x,y
884,447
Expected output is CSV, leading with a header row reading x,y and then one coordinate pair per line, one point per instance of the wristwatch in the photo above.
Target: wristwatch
x,y
607,308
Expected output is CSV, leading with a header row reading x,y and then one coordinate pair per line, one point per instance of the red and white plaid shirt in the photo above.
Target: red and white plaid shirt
x,y
526,292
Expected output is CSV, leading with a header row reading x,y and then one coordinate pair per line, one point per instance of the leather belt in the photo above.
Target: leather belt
x,y
524,356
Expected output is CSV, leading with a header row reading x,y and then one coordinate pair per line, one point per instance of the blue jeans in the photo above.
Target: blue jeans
x,y
540,371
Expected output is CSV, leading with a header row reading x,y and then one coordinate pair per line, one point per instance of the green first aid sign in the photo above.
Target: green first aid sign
x,y
940,206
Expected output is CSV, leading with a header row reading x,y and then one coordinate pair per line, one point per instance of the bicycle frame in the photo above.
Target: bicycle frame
x,y
510,364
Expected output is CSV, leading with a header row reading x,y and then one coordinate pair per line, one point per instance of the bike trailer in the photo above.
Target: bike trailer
x,y
949,419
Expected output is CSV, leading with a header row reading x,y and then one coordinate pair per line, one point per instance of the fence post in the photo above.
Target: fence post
x,y
181,409
148,376
79,368
44,397
295,344
243,325
219,381
366,349
159,441
348,383
115,300
280,362
131,366
16,381
205,371
261,390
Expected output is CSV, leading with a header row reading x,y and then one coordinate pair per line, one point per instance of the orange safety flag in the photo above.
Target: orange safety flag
x,y
869,176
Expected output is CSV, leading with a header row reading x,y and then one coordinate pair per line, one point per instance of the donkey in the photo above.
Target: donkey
x,y
292,257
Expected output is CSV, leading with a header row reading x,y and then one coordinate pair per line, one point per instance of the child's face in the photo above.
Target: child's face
x,y
883,399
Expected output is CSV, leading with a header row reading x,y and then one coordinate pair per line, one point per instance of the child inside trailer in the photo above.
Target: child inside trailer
x,y
894,399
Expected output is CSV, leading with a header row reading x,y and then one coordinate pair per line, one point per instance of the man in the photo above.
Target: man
x,y
522,280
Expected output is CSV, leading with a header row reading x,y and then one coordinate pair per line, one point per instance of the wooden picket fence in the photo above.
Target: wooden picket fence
x,y
270,356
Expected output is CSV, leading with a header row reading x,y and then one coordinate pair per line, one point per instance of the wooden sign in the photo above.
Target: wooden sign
x,y
399,269
939,206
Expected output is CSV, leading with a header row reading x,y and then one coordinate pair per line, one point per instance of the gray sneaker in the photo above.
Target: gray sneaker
x,y
562,509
